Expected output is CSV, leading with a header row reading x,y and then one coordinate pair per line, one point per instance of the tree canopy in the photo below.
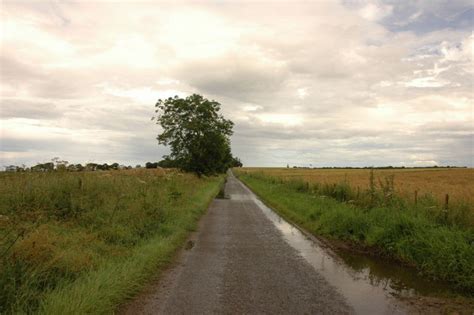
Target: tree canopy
x,y
198,135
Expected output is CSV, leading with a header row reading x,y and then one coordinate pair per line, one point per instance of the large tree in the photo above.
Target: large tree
x,y
196,132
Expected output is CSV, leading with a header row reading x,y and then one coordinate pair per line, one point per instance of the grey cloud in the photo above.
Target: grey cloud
x,y
237,76
17,108
322,131
16,72
13,144
110,114
59,84
348,66
124,149
59,87
448,127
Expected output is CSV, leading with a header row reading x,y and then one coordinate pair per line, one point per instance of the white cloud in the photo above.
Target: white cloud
x,y
374,11
460,52
426,82
305,81
302,93
252,108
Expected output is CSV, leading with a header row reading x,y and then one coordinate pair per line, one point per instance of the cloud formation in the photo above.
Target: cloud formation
x,y
349,82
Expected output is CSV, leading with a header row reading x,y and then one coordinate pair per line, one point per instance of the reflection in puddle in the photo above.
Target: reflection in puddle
x,y
369,285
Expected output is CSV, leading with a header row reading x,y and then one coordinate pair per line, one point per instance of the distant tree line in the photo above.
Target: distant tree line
x,y
376,167
196,132
167,162
57,164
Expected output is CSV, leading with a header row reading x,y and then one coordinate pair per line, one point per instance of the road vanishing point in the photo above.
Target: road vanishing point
x,y
245,259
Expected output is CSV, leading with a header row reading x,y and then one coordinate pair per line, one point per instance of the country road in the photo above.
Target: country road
x,y
244,259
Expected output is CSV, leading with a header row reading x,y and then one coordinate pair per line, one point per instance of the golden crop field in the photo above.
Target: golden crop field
x,y
457,182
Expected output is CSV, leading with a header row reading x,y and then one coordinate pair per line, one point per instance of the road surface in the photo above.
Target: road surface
x,y
240,263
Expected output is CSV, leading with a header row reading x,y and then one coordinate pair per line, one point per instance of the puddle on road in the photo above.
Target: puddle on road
x,y
369,285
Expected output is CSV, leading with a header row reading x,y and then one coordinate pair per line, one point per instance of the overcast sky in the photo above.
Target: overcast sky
x,y
326,83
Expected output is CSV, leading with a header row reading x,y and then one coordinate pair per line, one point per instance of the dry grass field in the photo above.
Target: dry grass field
x,y
80,242
437,182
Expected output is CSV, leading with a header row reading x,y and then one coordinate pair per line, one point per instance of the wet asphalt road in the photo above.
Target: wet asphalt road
x,y
239,264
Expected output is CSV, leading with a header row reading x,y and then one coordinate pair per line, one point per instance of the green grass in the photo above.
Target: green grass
x,y
76,243
440,249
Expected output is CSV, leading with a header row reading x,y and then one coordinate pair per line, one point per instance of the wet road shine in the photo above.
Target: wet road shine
x,y
245,259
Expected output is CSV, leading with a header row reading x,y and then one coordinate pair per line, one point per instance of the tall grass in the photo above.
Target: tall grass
x,y
441,246
379,192
70,242
435,182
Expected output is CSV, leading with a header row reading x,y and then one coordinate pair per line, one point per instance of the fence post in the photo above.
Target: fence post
x,y
446,204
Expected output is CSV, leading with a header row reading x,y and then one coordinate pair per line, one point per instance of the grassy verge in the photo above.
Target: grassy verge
x,y
82,243
438,250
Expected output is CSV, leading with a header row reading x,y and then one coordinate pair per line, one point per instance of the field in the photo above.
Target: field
x,y
435,182
426,188
377,213
85,241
